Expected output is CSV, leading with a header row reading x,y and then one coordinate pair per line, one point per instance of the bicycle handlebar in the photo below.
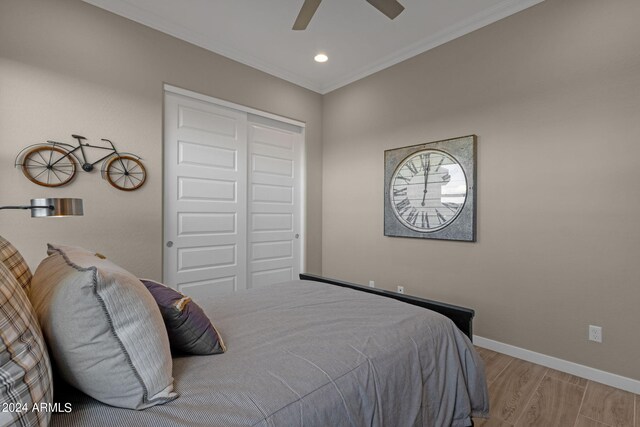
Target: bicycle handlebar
x,y
112,146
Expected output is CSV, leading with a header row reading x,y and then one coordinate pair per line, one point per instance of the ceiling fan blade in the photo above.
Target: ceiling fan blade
x,y
306,13
391,8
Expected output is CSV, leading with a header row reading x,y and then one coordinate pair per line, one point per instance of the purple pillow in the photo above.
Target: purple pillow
x,y
190,330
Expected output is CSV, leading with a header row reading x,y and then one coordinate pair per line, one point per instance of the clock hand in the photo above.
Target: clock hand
x,y
426,178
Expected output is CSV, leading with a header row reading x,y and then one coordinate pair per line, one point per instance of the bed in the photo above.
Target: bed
x,y
315,352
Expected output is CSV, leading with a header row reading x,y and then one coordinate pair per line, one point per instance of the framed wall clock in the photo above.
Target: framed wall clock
x,y
430,190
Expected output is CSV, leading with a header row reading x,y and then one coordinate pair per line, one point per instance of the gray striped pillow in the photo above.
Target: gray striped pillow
x,y
11,258
104,330
25,370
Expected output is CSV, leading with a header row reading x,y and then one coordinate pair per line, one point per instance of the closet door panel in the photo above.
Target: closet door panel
x,y
205,197
274,180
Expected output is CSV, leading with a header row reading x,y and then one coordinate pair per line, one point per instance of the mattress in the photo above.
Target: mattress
x,y
310,354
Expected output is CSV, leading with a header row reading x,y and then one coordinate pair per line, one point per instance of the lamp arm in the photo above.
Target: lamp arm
x,y
26,207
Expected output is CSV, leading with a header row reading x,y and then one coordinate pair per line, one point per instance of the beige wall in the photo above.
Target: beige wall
x,y
68,67
553,94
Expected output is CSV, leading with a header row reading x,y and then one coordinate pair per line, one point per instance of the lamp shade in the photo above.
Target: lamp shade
x,y
56,207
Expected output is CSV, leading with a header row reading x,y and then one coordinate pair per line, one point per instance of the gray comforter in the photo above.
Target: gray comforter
x,y
310,354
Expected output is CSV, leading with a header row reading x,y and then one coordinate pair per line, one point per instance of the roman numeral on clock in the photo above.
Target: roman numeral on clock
x,y
422,161
413,216
412,168
399,192
403,205
452,206
425,220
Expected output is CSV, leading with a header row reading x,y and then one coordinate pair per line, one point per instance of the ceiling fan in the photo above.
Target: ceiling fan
x,y
390,8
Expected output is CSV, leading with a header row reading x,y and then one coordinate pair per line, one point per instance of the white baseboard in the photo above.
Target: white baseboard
x,y
576,369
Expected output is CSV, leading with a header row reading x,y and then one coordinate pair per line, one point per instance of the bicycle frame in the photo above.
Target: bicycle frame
x,y
81,147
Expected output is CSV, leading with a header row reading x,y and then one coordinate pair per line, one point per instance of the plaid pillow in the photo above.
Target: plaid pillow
x,y
11,258
25,370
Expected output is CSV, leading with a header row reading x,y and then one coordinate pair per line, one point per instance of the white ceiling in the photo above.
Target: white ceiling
x,y
358,39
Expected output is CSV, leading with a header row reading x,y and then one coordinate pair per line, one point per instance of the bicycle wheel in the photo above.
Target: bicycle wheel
x,y
125,173
49,166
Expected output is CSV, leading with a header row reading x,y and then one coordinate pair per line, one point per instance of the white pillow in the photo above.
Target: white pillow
x,y
104,329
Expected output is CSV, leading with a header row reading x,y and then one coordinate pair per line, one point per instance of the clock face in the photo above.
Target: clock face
x,y
428,190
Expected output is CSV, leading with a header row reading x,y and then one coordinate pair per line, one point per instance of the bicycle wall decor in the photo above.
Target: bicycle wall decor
x,y
54,164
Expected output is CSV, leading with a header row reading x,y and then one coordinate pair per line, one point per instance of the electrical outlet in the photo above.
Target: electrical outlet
x,y
595,333
372,284
401,289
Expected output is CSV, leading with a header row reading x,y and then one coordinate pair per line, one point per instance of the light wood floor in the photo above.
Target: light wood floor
x,y
526,394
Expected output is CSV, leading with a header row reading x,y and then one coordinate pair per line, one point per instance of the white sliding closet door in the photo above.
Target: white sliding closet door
x,y
274,201
233,202
205,197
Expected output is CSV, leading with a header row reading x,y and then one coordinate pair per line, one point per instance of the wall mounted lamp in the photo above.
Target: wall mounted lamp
x,y
54,207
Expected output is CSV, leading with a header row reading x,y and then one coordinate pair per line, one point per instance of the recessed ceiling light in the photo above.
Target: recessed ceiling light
x,y
321,57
